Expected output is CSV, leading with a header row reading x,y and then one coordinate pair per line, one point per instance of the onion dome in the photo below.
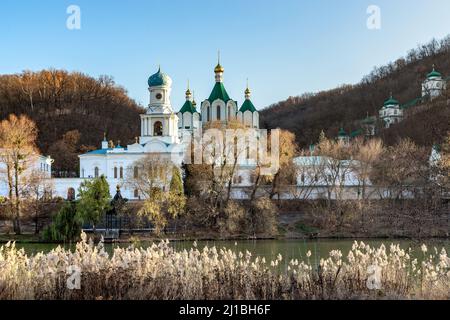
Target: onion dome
x,y
219,69
188,92
193,100
247,105
391,102
188,106
434,74
159,79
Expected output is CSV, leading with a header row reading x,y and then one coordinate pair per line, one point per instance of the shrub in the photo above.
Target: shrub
x,y
66,226
94,200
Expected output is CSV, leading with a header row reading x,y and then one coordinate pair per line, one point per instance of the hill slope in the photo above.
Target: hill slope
x,y
309,114
72,112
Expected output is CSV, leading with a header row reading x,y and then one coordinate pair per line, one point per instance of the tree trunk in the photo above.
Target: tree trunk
x,y
10,195
36,222
252,197
17,202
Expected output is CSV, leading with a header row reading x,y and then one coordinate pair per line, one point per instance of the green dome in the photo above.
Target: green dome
x,y
159,79
391,101
434,74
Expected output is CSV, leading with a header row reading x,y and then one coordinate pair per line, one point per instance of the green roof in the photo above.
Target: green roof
x,y
436,147
219,92
391,101
356,133
411,103
188,107
342,133
433,74
247,106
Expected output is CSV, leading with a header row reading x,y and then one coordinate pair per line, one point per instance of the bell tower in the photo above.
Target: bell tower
x,y
159,122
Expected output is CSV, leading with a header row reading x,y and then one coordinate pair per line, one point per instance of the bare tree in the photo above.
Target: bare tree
x,y
366,154
334,167
401,170
38,189
18,154
148,174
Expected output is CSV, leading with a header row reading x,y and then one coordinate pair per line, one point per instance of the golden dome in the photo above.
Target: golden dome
x,y
247,91
188,92
218,69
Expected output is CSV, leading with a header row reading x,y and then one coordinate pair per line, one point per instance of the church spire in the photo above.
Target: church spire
x,y
188,92
218,70
247,92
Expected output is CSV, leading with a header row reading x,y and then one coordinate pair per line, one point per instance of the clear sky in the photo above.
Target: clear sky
x,y
284,47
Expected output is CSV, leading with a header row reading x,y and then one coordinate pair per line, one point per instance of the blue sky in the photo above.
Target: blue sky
x,y
284,47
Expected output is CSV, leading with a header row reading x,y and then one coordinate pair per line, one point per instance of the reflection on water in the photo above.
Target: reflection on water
x,y
289,249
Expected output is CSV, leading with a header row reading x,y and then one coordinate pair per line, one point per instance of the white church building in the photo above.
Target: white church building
x,y
434,85
162,130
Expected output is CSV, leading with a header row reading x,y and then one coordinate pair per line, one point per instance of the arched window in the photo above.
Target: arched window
x,y
115,172
229,113
218,113
96,172
136,172
82,173
136,193
239,179
208,114
158,129
121,173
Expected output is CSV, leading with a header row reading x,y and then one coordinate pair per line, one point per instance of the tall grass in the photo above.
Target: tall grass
x,y
161,272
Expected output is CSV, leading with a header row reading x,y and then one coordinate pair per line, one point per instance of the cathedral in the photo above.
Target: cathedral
x,y
162,130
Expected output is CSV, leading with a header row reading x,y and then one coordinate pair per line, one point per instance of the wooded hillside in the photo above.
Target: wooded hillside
x,y
309,114
72,112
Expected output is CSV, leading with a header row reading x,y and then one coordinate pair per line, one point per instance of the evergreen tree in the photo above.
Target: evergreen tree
x,y
66,225
176,184
94,200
